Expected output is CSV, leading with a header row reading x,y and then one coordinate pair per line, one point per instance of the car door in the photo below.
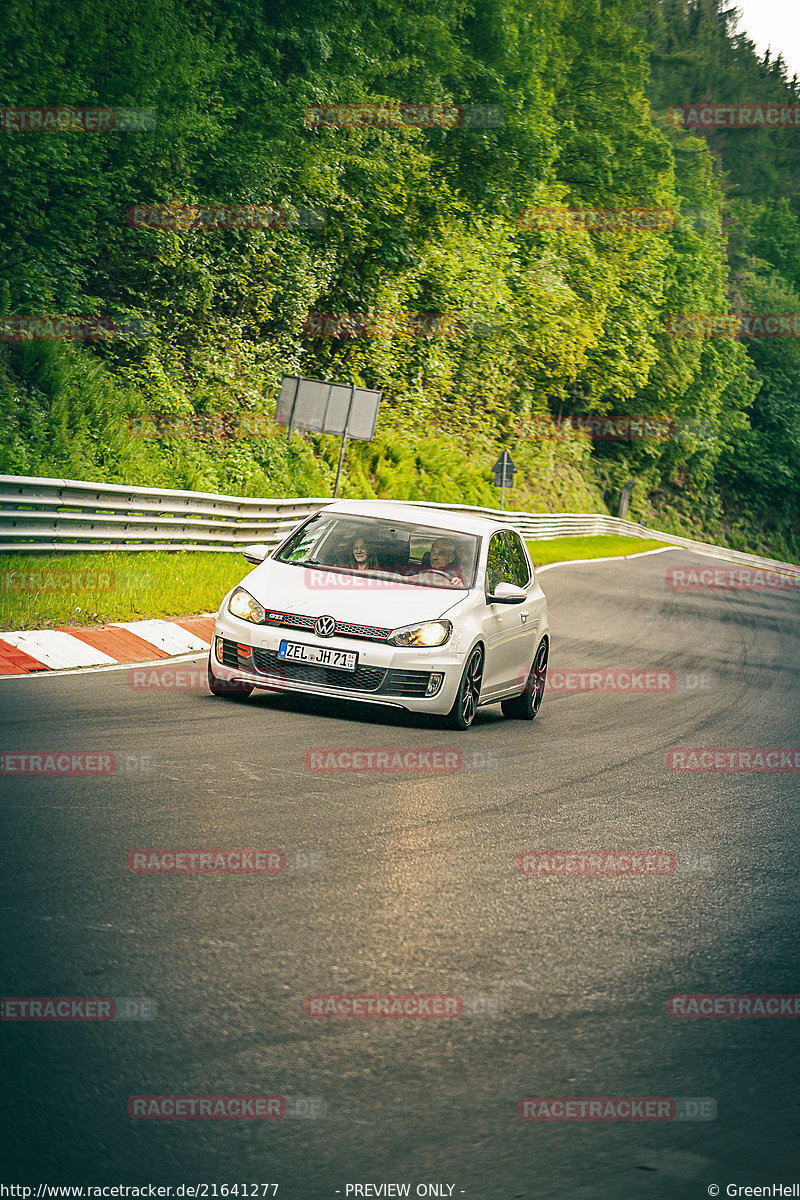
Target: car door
x,y
506,626
532,611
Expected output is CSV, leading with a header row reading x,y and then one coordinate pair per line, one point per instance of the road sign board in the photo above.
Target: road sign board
x,y
504,471
324,407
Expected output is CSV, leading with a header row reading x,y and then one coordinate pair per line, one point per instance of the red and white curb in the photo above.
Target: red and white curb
x,y
34,650
99,646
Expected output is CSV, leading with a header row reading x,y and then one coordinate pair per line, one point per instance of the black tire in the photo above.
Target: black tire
x,y
231,690
526,706
462,714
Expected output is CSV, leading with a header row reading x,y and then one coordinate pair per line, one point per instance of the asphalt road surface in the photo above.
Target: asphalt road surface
x,y
408,883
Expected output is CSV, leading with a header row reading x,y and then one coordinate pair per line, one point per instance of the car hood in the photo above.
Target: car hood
x,y
283,587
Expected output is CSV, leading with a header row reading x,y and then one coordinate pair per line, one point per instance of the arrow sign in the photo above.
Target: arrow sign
x,y
504,471
504,475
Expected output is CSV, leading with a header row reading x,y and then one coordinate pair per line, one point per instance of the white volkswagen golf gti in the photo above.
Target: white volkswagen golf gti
x,y
392,604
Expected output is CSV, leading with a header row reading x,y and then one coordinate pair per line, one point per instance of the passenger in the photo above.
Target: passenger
x,y
443,558
359,556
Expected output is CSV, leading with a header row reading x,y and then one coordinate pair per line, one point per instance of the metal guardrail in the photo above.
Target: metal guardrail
x,y
68,514
39,515
534,526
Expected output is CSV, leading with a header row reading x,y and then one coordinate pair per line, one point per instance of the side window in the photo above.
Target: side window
x,y
499,565
517,551
306,541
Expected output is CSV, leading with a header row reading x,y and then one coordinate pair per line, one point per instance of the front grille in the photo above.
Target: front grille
x,y
292,620
370,633
230,654
363,679
405,683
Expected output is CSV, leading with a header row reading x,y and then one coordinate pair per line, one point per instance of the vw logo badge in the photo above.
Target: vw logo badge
x,y
324,627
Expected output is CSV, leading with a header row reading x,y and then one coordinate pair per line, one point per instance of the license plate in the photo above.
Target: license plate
x,y
342,660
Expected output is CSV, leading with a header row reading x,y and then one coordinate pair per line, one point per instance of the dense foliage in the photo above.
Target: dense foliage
x,y
553,322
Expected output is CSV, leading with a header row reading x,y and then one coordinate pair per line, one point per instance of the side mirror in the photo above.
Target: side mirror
x,y
507,593
256,554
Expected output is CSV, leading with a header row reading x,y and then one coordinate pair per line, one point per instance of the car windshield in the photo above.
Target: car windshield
x,y
417,555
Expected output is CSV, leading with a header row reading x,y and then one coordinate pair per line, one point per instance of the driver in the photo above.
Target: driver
x,y
443,558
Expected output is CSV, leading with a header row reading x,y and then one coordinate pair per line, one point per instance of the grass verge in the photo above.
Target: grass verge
x,y
45,591
562,549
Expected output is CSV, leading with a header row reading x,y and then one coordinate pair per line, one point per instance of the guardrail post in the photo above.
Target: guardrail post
x,y
625,498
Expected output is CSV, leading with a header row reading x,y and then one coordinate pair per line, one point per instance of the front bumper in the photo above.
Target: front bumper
x,y
390,675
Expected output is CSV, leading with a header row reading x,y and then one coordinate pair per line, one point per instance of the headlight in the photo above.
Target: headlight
x,y
242,605
429,633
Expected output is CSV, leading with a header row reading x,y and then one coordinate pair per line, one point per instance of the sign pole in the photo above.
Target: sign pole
x,y
339,468
291,414
344,444
503,476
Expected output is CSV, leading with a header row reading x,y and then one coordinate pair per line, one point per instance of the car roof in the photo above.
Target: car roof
x,y
420,514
